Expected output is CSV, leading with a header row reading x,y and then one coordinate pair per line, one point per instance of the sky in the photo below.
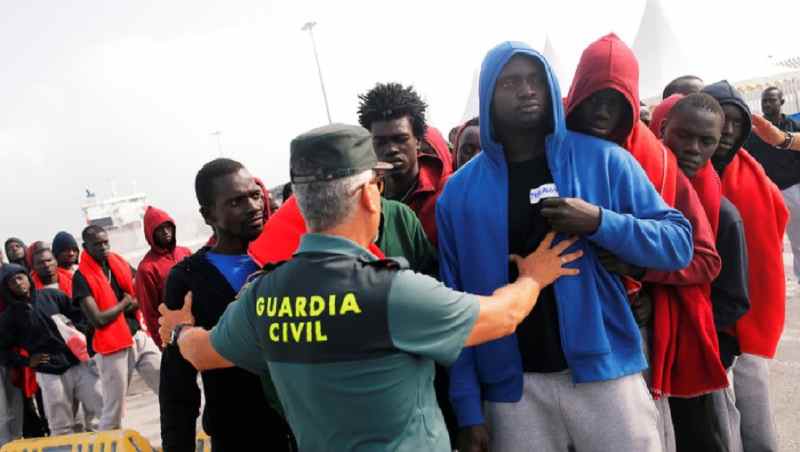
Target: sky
x,y
124,93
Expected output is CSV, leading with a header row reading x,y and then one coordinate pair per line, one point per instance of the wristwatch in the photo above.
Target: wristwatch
x,y
176,332
787,141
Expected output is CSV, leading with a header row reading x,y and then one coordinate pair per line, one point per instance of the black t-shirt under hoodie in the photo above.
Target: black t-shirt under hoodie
x,y
539,334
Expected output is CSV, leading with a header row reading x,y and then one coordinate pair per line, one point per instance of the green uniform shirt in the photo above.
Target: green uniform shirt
x,y
402,236
378,404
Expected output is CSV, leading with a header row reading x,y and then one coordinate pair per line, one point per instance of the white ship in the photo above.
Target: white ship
x,y
121,216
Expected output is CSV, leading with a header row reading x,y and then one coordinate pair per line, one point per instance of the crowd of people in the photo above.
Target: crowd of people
x,y
577,273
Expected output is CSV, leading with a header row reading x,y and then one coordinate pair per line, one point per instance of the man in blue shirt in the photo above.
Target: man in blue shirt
x,y
232,203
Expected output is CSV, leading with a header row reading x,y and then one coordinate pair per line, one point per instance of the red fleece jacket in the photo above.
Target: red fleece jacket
x,y
151,275
281,236
706,182
64,280
435,167
684,357
764,215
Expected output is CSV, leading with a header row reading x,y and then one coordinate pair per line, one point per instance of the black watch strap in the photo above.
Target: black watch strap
x,y
176,333
787,141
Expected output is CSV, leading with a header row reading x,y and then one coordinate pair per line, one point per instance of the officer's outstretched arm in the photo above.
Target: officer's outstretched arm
x,y
501,312
195,346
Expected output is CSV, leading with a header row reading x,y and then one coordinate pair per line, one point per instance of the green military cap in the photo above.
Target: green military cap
x,y
332,152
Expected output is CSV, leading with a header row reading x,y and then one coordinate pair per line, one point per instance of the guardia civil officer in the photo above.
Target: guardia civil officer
x,y
350,340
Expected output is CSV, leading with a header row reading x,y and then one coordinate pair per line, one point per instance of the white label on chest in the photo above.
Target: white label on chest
x,y
542,192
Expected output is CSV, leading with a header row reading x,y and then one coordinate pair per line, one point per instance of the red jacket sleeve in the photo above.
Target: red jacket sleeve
x,y
149,298
705,264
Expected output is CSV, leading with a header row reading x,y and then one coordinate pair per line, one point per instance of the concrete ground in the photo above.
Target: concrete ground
x,y
785,368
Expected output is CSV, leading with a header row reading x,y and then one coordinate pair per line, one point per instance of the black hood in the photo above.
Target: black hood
x,y
7,272
726,94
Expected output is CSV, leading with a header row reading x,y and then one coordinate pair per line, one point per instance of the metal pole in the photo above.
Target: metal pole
x,y
309,27
218,134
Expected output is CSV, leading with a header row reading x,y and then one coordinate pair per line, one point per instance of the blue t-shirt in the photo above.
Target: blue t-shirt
x,y
235,267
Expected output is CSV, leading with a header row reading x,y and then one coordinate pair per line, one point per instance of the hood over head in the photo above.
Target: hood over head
x,y
492,66
726,94
14,240
64,241
7,272
661,112
607,63
438,145
34,248
153,218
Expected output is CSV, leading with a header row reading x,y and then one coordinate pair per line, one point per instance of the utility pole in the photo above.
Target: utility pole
x,y
218,134
309,27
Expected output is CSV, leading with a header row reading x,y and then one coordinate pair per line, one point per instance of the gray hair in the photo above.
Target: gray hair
x,y
326,204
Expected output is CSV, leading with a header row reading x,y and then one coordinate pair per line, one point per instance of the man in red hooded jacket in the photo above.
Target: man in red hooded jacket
x,y
395,116
692,130
151,276
603,101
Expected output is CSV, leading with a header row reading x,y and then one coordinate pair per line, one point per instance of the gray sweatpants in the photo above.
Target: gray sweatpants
x,y
666,431
791,196
556,414
116,371
751,385
728,416
62,393
11,410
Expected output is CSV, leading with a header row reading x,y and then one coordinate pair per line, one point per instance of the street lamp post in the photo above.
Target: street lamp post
x,y
309,27
218,134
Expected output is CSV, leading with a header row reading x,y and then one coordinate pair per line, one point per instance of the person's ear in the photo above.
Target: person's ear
x,y
371,198
208,216
783,101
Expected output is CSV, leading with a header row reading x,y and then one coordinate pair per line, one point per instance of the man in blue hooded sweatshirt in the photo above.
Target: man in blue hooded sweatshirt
x,y
571,375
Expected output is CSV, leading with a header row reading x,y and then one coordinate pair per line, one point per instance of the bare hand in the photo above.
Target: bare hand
x,y
474,438
132,304
571,215
37,359
613,264
767,131
171,318
546,264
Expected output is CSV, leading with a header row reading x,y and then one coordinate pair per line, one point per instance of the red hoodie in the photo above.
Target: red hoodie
x,y
151,276
706,182
661,112
435,167
281,236
684,351
765,216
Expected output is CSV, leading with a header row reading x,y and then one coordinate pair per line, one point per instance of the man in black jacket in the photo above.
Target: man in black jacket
x,y
30,321
236,410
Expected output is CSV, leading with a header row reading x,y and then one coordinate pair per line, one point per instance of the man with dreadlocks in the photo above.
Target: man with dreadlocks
x,y
395,115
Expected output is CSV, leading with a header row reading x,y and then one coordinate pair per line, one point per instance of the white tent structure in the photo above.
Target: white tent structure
x,y
662,58
472,107
552,57
658,50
